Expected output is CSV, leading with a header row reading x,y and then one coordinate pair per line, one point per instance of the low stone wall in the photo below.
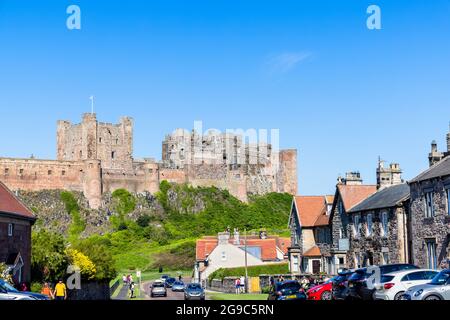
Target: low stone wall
x,y
91,291
227,284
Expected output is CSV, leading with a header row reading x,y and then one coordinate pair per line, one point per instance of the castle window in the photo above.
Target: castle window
x,y
6,170
21,171
81,154
113,155
429,205
49,172
63,173
150,171
100,140
117,141
10,230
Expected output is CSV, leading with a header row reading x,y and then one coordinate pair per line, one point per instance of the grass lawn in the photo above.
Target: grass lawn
x,y
237,297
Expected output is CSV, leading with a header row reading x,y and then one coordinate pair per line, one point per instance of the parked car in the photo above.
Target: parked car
x,y
158,289
357,283
8,292
339,285
322,291
287,290
165,277
178,286
194,291
169,282
393,285
437,289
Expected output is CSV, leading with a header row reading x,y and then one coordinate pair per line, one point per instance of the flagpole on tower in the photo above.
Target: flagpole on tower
x,y
92,104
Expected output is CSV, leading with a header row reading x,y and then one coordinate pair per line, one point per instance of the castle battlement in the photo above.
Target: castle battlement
x,y
97,157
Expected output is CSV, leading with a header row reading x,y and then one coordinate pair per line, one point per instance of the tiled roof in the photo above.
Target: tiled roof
x,y
313,252
440,169
205,247
10,204
309,208
385,198
322,220
352,195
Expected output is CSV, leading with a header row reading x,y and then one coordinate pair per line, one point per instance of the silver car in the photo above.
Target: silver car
x,y
437,289
158,289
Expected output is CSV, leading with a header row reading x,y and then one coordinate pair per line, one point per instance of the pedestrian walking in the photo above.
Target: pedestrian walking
x,y
47,291
132,289
242,280
60,291
124,279
237,285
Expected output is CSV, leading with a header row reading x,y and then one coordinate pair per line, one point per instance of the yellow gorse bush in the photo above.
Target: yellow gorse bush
x,y
86,266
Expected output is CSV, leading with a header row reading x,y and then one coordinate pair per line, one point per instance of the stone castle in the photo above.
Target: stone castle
x,y
95,158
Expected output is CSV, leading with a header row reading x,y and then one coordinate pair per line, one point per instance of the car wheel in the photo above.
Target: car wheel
x,y
399,295
432,298
326,296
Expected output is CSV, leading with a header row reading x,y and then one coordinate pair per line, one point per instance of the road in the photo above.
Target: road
x,y
170,295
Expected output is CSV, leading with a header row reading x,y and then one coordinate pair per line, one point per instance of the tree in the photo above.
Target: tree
x,y
49,261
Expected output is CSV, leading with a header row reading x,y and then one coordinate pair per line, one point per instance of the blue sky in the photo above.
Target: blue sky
x,y
339,93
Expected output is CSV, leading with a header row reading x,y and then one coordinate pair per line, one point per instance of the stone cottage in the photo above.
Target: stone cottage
x,y
379,228
310,234
430,215
15,235
350,191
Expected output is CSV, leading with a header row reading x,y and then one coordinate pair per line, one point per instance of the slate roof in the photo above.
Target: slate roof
x,y
11,205
440,169
385,198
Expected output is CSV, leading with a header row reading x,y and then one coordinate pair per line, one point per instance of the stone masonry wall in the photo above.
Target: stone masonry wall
x,y
436,228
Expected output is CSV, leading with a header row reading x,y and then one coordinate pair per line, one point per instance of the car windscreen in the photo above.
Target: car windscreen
x,y
291,286
194,287
441,279
158,285
178,284
7,286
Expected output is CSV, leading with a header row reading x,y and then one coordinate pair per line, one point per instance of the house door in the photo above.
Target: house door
x,y
316,266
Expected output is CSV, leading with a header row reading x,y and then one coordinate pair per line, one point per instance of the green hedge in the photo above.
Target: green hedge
x,y
254,271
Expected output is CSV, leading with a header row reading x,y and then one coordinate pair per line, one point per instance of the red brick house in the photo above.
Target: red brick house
x,y
15,235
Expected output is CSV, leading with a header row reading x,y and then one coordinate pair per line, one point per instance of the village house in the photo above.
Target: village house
x,y
15,235
379,224
228,251
310,235
350,191
430,211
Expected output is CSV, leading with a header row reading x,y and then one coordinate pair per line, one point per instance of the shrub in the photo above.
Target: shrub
x,y
86,266
125,201
254,271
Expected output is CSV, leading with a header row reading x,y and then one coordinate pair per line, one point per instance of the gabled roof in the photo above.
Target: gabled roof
x,y
352,195
440,169
313,252
385,198
11,205
309,209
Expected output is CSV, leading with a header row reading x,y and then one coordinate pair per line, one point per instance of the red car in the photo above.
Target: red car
x,y
321,292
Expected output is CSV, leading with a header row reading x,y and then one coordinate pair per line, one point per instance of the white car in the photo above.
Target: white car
x,y
393,285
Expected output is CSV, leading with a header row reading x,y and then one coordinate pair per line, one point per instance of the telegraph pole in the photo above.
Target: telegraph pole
x,y
246,262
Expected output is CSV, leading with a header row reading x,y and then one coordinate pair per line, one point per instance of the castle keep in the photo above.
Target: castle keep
x,y
95,157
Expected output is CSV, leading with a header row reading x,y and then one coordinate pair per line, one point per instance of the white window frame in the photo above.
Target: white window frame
x,y
357,260
384,223
447,191
369,217
429,204
385,258
223,256
431,254
10,229
295,263
357,225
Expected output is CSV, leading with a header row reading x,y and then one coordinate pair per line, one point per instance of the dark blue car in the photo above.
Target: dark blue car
x,y
287,290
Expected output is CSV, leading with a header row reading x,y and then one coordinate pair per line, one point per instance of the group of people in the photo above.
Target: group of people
x,y
59,293
129,283
239,284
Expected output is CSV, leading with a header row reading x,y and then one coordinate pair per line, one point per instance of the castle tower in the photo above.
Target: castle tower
x,y
288,178
388,176
92,183
88,137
